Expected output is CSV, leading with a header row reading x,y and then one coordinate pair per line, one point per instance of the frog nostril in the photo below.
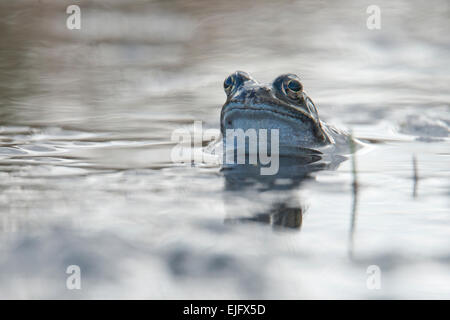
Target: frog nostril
x,y
229,122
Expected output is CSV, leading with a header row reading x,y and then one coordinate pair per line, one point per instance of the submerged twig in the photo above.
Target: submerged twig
x,y
354,193
415,176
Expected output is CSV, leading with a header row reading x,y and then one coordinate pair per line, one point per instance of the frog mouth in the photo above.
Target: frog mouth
x,y
297,114
281,116
279,110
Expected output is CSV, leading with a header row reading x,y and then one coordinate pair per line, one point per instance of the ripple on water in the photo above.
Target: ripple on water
x,y
425,127
9,151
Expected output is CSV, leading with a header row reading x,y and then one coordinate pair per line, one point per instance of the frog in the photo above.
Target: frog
x,y
282,105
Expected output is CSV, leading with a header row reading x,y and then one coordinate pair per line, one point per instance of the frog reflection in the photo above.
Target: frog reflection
x,y
272,199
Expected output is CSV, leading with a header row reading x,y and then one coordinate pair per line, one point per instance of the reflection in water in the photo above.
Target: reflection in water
x,y
280,215
274,198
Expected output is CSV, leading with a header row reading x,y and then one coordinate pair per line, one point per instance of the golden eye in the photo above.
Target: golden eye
x,y
228,84
294,86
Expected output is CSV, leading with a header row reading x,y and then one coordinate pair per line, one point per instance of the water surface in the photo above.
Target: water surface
x,y
86,179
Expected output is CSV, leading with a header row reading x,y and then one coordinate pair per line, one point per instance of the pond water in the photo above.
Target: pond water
x,y
86,177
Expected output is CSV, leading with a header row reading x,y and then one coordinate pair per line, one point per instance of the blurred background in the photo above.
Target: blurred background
x,y
86,118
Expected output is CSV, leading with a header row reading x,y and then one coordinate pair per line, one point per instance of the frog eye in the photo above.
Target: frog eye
x,y
293,88
235,80
228,84
294,85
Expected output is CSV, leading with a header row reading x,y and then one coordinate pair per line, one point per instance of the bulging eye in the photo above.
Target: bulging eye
x,y
235,80
293,88
294,85
228,84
